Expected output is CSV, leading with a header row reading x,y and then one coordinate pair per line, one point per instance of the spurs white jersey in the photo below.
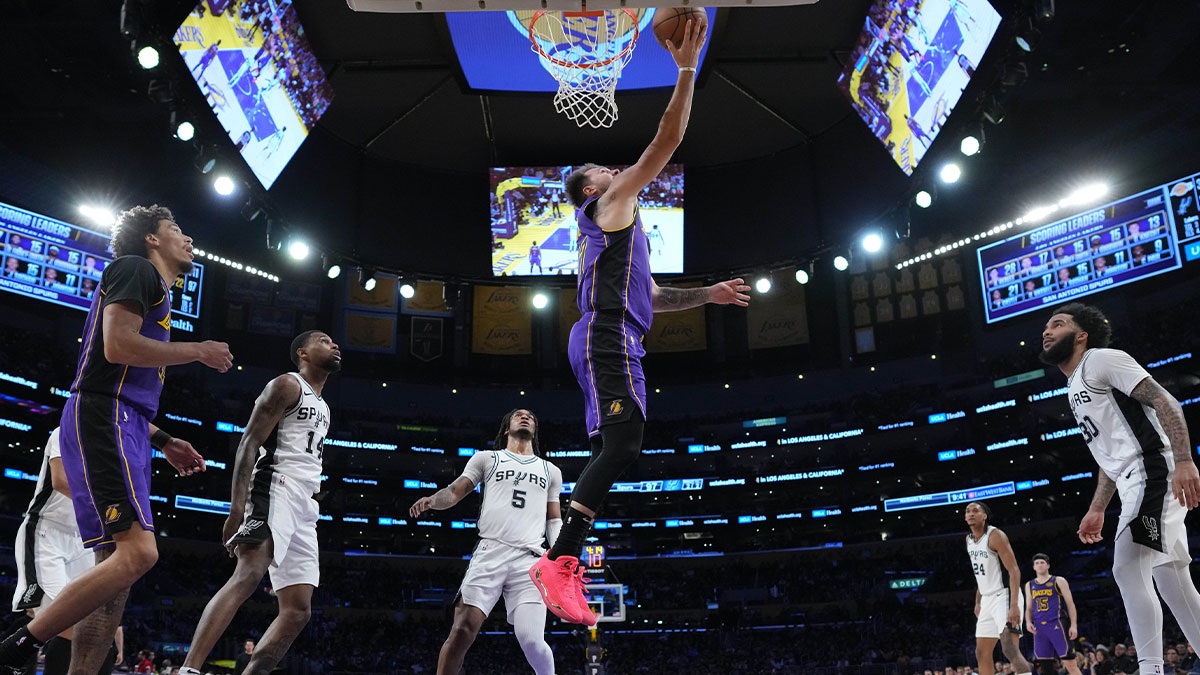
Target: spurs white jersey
x,y
985,563
516,489
48,504
1119,431
295,448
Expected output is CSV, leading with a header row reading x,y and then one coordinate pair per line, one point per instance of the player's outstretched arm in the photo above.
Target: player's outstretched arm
x,y
998,542
627,184
1185,485
179,453
667,299
444,498
124,344
1065,589
1093,520
276,398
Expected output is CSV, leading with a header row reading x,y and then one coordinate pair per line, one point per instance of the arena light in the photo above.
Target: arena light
x,y
950,173
185,131
298,249
334,271
233,264
763,284
223,185
366,278
872,242
841,263
98,216
969,145
540,300
802,277
407,290
147,57
923,198
1085,195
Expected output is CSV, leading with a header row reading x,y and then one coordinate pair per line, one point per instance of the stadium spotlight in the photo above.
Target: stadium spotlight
x,y
540,300
923,199
366,278
841,263
206,159
763,284
98,216
223,185
802,276
950,173
298,248
407,290
333,270
185,131
969,145
1085,194
147,57
872,242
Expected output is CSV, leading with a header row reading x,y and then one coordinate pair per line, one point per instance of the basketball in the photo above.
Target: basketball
x,y
670,23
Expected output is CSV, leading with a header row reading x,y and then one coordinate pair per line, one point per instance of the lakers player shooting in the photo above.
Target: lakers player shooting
x,y
106,435
1048,601
998,609
617,299
272,523
512,527
1138,436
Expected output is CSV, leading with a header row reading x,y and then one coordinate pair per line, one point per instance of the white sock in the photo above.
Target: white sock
x,y
189,671
529,623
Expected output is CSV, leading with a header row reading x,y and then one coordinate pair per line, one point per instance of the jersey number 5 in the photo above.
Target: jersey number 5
x,y
518,500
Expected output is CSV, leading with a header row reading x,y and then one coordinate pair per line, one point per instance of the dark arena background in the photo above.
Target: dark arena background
x,y
798,505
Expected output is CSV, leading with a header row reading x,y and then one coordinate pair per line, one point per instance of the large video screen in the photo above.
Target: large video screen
x,y
910,67
48,259
253,64
1140,236
495,54
534,230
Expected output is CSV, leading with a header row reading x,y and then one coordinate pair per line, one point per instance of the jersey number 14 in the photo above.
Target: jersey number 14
x,y
320,445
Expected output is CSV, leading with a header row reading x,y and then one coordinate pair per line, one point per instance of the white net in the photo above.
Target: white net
x,y
585,52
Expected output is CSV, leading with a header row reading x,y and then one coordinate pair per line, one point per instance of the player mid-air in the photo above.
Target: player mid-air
x,y
1139,437
998,608
617,299
1048,601
272,523
515,483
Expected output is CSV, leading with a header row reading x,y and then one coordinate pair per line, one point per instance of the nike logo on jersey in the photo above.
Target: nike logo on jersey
x,y
1130,473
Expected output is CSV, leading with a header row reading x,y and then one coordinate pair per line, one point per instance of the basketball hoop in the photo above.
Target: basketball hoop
x,y
585,52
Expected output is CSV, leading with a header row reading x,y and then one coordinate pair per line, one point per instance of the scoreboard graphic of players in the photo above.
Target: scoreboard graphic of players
x,y
534,230
1143,235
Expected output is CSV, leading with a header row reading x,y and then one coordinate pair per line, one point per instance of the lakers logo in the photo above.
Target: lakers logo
x,y
166,322
112,513
615,408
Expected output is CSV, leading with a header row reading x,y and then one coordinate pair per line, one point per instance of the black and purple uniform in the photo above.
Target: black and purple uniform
x,y
615,296
105,437
1051,637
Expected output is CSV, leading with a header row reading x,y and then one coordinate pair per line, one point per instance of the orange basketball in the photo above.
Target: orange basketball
x,y
670,23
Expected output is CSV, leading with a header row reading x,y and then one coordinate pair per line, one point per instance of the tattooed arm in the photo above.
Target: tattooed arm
x,y
1186,482
1093,521
732,292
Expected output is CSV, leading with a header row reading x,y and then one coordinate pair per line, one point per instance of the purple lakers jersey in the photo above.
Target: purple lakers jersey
x,y
1046,603
134,281
614,271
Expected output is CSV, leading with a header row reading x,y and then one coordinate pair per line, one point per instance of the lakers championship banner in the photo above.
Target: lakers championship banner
x,y
429,300
381,299
502,321
568,314
370,332
678,331
778,318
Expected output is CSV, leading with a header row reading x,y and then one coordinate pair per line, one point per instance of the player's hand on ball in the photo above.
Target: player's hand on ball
x,y
732,292
421,506
183,457
1090,526
215,355
1185,485
687,55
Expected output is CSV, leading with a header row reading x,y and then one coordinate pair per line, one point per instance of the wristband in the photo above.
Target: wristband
x,y
160,439
689,68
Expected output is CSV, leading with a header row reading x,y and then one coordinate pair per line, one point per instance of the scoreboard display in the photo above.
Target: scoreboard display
x,y
51,260
1140,236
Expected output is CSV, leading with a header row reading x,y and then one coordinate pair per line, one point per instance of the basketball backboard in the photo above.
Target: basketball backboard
x,y
607,602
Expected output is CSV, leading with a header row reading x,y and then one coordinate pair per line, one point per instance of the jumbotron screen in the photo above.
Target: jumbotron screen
x,y
51,260
534,231
910,67
1140,236
253,64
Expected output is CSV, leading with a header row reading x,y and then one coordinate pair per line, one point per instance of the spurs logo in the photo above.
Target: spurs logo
x,y
248,527
1151,525
30,593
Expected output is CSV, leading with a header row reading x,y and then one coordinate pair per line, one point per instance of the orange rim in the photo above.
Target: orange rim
x,y
583,66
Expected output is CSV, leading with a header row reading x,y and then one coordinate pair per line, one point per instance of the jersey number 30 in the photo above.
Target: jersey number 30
x,y
1089,429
